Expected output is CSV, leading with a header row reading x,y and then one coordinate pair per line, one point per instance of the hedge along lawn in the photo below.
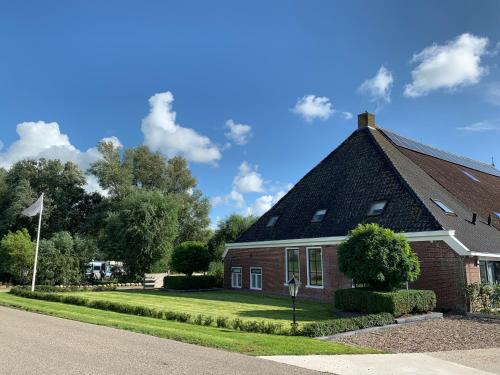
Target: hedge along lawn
x,y
231,304
242,342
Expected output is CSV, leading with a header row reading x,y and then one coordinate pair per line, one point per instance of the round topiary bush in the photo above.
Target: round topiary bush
x,y
189,257
378,258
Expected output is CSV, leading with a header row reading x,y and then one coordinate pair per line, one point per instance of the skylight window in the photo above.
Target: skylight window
x,y
272,221
318,216
442,206
498,214
471,176
377,208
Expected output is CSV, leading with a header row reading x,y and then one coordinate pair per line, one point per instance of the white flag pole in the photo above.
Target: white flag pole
x,y
37,243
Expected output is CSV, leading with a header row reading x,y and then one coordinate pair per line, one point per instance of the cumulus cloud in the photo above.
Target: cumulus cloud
x,y
248,180
234,199
448,66
161,133
379,87
480,126
264,203
45,140
312,107
238,133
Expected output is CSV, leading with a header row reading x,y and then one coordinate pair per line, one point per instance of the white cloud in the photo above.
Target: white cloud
x,y
45,140
347,115
248,180
238,133
264,203
234,199
493,93
480,126
450,65
312,107
161,133
379,87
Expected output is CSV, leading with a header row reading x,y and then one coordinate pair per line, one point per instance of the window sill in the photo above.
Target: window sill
x,y
255,288
315,286
235,287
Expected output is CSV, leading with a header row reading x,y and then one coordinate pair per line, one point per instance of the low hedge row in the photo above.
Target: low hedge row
x,y
71,288
397,303
191,282
220,321
334,326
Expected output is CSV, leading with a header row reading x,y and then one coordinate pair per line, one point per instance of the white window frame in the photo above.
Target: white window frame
x,y
322,268
251,286
241,277
286,263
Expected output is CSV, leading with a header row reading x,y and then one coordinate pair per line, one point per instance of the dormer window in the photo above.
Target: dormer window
x,y
272,221
318,216
444,207
471,176
377,208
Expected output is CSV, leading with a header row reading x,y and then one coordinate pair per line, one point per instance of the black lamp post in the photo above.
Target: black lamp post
x,y
293,287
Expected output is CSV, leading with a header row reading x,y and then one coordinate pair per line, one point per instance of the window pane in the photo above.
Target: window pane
x,y
318,216
377,208
255,278
292,264
315,267
442,206
272,221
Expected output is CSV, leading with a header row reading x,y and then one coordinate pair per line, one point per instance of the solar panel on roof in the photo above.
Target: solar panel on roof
x,y
440,154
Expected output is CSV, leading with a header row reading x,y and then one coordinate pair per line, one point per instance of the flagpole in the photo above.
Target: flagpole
x,y
37,243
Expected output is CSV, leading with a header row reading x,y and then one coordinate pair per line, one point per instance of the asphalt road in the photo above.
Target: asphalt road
x,y
39,344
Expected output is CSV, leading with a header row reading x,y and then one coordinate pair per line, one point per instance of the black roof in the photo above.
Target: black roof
x,y
369,167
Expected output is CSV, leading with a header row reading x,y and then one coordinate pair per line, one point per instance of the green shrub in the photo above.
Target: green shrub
x,y
236,324
332,327
377,257
198,319
189,257
207,321
222,322
216,269
191,282
483,297
397,303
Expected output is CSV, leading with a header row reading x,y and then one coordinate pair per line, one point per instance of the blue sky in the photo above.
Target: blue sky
x,y
429,70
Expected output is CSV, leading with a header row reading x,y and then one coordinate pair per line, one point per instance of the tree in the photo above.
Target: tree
x,y
58,261
17,253
377,257
140,230
63,185
189,257
227,231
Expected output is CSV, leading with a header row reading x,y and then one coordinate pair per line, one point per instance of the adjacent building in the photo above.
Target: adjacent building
x,y
447,206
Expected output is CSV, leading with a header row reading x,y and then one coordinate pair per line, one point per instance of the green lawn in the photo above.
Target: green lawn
x,y
242,342
244,305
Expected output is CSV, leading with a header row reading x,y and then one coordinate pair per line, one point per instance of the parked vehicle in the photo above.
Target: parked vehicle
x,y
101,270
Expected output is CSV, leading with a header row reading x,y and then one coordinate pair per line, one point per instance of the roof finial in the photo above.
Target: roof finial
x,y
492,162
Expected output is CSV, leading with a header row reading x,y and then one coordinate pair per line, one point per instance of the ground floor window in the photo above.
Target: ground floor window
x,y
314,267
236,277
256,278
489,271
292,264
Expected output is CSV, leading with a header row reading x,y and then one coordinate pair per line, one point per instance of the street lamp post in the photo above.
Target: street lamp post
x,y
293,287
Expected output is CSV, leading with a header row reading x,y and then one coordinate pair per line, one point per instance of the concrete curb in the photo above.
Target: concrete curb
x,y
398,323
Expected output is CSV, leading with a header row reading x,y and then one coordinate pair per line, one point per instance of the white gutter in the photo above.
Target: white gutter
x,y
448,236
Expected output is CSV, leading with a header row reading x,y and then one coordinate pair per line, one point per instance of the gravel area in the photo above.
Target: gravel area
x,y
454,332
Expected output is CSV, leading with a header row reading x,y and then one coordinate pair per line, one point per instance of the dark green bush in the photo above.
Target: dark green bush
x,y
332,327
399,302
191,282
189,257
222,322
378,257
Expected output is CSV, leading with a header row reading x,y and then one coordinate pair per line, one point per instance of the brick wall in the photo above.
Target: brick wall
x,y
442,270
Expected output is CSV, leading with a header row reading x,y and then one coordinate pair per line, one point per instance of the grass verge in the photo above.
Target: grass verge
x,y
242,342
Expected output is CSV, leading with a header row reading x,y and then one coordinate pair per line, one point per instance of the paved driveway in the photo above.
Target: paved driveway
x,y
39,344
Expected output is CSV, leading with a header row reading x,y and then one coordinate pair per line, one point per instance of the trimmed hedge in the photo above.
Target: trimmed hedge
x,y
397,303
191,282
207,320
72,288
332,327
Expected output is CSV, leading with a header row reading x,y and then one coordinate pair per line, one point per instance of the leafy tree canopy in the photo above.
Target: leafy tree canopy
x,y
141,229
17,253
227,231
378,257
189,257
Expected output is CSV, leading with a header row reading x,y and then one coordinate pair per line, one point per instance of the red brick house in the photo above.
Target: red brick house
x,y
447,206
